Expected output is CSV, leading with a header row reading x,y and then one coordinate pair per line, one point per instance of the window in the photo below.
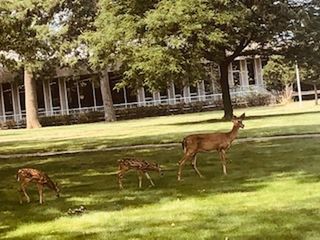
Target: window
x,y
54,87
7,96
250,67
72,94
86,93
236,73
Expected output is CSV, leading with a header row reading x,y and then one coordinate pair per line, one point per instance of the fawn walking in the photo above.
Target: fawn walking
x,y
141,166
30,175
221,142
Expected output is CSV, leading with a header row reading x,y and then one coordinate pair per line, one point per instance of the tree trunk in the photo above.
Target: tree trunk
x,y
315,93
109,114
31,100
227,104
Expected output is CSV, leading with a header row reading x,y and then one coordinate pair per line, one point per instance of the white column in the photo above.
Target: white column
x,y
156,97
16,101
141,97
244,80
171,93
258,71
94,95
63,96
201,91
47,97
212,78
2,107
125,96
298,82
186,93
78,95
230,75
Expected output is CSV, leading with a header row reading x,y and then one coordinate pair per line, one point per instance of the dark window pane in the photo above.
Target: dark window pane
x,y
72,94
7,96
236,78
54,86
86,93
250,66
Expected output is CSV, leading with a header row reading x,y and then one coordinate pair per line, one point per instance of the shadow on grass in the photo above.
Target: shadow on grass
x,y
89,180
22,147
253,117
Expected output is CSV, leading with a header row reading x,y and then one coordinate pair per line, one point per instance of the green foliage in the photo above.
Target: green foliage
x,y
278,73
40,35
161,41
305,46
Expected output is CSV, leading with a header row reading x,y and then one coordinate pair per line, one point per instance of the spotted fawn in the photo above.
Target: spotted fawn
x,y
41,179
141,166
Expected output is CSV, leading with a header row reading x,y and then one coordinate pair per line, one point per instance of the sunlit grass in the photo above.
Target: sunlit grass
x,y
271,192
261,121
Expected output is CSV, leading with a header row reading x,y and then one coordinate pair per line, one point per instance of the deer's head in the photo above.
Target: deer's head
x,y
160,170
237,121
156,167
56,189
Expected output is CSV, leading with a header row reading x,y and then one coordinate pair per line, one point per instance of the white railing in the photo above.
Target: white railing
x,y
209,98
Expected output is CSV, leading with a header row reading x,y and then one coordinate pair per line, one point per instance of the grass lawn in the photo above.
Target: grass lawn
x,y
271,192
261,121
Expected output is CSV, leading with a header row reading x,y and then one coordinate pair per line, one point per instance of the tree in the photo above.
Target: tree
x,y
305,46
40,35
24,45
161,41
280,75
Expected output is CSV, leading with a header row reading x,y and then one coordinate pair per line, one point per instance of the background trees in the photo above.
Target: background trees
x,y
42,35
25,44
162,41
153,43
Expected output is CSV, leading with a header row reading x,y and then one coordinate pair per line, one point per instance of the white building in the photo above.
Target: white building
x,y
67,95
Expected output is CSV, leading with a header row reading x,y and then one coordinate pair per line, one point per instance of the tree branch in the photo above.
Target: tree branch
x,y
242,45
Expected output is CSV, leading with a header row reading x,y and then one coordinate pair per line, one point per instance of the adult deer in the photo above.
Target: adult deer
x,y
221,142
30,175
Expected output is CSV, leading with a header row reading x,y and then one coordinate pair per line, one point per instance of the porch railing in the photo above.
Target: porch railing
x,y
211,100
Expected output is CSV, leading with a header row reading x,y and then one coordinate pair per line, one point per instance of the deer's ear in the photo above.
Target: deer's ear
x,y
234,117
243,115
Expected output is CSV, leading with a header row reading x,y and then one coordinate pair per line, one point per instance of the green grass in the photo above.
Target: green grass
x,y
271,192
261,121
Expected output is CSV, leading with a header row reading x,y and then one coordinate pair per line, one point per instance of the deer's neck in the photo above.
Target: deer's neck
x,y
51,185
233,133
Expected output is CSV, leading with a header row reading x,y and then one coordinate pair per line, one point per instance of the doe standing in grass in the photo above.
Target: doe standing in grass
x,y
41,179
141,166
221,142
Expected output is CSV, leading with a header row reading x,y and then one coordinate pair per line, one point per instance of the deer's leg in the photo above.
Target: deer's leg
x,y
222,153
120,177
40,190
23,189
181,164
140,175
20,195
149,178
194,165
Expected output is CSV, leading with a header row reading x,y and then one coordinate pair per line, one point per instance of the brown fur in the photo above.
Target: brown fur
x,y
41,179
221,142
141,166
